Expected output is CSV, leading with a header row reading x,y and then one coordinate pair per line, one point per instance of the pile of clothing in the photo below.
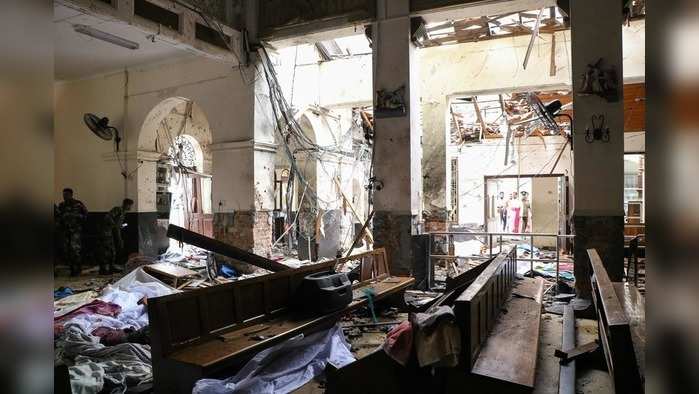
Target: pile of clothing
x,y
103,337
432,337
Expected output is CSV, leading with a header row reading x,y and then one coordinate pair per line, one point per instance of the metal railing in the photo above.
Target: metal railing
x,y
448,238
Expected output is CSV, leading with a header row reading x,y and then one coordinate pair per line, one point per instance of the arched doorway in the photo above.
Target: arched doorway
x,y
176,181
322,220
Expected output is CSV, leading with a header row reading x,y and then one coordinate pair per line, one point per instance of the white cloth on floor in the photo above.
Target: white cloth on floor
x,y
285,367
97,367
127,292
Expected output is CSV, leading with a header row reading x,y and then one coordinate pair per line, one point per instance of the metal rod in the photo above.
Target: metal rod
x,y
531,252
558,261
566,380
430,267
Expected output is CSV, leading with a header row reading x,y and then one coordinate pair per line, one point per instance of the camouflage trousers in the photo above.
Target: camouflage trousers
x,y
106,253
72,250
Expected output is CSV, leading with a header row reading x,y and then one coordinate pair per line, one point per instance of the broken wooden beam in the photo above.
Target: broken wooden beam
x,y
213,245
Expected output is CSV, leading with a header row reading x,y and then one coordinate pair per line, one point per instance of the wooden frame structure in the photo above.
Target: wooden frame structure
x,y
614,330
204,332
372,264
478,307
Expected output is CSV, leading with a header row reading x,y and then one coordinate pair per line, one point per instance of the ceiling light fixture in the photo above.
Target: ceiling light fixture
x,y
104,36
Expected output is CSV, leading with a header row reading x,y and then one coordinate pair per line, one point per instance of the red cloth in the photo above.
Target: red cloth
x,y
515,225
399,342
98,307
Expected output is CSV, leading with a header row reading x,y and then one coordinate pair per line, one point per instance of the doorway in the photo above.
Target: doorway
x,y
527,204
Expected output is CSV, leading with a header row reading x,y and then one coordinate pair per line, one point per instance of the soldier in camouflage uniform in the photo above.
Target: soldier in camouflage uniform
x,y
110,242
71,214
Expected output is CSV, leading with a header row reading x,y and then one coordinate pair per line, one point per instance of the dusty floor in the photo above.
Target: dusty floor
x,y
89,279
589,381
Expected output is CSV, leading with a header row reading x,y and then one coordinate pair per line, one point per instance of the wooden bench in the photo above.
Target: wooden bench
x,y
210,332
478,307
507,360
499,350
614,304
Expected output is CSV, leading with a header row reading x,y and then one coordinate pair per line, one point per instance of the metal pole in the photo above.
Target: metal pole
x,y
490,242
531,254
429,263
500,244
558,260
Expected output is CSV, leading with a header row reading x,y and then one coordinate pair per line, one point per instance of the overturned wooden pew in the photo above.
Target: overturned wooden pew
x,y
211,332
621,325
500,318
499,350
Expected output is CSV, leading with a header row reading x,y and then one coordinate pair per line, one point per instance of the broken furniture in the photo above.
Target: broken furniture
x,y
372,264
212,331
500,318
621,324
169,272
213,245
498,349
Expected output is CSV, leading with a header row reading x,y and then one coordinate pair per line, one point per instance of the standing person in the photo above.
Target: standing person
x,y
111,242
516,207
502,211
526,211
71,215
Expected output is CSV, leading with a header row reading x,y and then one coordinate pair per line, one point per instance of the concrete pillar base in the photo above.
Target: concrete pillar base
x,y
393,232
604,233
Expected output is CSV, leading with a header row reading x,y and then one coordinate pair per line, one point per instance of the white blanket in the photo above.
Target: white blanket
x,y
285,367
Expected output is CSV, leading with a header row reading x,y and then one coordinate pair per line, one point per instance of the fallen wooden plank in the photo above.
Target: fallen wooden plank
x,y
169,270
216,246
508,357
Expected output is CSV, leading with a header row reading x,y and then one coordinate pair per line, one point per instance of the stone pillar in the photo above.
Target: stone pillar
x,y
398,152
242,194
243,185
598,167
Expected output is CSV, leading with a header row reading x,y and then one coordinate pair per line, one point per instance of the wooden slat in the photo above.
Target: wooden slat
x,y
635,309
614,331
169,270
613,311
477,307
510,352
285,326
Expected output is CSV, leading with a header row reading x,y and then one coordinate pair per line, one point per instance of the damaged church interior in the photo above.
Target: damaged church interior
x,y
349,196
